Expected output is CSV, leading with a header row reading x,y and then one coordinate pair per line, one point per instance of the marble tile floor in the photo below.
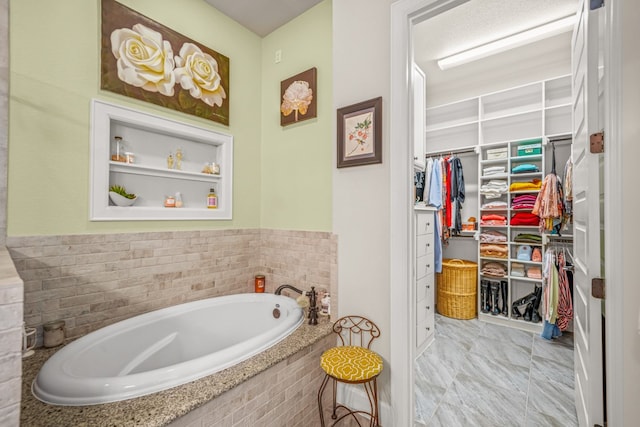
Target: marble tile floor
x,y
481,374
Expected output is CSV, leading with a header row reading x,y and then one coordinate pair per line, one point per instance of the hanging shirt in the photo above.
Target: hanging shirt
x,y
427,179
457,193
435,186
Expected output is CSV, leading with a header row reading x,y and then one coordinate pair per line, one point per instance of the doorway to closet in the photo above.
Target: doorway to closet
x,y
519,97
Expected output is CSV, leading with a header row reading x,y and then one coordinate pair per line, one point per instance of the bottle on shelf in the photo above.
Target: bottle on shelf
x,y
212,199
178,200
179,158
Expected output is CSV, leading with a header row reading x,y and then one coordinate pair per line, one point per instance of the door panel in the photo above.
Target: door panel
x,y
587,172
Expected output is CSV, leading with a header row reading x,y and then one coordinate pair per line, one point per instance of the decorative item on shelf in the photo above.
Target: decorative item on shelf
x,y
129,157
178,200
118,157
211,168
120,197
179,158
212,199
169,202
259,283
28,340
170,161
53,333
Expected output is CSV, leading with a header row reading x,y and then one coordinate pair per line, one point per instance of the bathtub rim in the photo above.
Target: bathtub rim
x,y
57,360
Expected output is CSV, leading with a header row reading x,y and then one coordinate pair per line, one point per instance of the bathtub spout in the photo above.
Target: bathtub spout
x,y
313,309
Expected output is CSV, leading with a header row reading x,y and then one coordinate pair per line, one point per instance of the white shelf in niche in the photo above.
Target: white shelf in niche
x,y
151,138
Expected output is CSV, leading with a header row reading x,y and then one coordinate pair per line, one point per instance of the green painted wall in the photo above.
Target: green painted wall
x,y
282,176
297,159
54,73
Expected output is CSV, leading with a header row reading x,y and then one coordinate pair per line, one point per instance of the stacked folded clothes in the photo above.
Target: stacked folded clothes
x,y
534,272
494,188
523,201
493,269
493,236
493,219
525,218
517,269
532,185
494,250
527,238
494,204
493,170
524,168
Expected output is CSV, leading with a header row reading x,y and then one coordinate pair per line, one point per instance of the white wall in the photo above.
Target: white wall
x,y
630,208
360,194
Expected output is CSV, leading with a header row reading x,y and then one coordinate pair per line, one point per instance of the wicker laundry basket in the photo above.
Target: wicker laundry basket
x,y
457,289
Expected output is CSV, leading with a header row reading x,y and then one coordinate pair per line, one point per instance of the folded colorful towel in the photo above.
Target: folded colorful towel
x,y
525,167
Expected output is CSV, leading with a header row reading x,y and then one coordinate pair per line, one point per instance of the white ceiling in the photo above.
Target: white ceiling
x,y
263,16
467,25
480,21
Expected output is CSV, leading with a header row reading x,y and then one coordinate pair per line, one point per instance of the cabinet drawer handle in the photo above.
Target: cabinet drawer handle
x,y
428,245
427,307
428,286
428,328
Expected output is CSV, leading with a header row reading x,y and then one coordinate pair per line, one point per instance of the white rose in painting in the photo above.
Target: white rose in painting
x,y
297,97
145,60
197,72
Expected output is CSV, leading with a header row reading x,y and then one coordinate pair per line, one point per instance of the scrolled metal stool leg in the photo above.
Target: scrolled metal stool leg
x,y
320,393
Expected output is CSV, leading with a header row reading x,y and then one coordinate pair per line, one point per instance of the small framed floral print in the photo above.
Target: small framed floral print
x,y
360,133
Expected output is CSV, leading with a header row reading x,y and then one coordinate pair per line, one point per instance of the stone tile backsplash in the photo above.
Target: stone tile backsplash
x,y
91,281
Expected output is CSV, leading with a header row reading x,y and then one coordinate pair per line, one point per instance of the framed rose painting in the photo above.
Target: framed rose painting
x,y
143,59
360,133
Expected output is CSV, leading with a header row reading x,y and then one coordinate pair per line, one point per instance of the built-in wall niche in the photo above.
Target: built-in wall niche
x,y
140,163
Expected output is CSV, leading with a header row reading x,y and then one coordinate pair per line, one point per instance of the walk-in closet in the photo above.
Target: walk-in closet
x,y
493,173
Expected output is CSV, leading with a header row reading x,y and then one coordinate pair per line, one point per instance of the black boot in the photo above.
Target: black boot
x,y
484,291
535,315
528,312
495,296
515,312
504,287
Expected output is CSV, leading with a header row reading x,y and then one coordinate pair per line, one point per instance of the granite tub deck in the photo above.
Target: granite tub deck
x,y
162,408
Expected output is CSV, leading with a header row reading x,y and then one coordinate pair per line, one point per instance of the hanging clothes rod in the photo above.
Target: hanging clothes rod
x,y
452,152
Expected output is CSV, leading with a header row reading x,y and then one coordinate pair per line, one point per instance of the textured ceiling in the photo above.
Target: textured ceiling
x,y
468,25
480,21
262,16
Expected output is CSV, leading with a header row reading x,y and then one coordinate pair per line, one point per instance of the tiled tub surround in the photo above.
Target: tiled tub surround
x,y
91,281
275,388
10,340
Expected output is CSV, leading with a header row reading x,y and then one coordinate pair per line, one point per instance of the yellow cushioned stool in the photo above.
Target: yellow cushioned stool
x,y
352,363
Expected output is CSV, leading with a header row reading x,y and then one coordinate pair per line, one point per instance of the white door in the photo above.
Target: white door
x,y
587,189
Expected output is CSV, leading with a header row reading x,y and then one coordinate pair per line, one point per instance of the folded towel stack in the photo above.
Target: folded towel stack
x,y
493,269
493,170
523,201
525,168
527,238
533,185
517,269
493,250
494,204
493,220
525,218
493,236
494,188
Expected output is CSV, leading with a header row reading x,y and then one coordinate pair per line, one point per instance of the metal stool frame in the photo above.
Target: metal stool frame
x,y
360,331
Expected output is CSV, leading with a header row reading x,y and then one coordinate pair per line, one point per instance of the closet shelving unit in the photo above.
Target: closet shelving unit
x,y
505,119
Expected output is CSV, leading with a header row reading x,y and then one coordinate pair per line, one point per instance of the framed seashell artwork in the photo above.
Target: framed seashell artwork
x,y
298,98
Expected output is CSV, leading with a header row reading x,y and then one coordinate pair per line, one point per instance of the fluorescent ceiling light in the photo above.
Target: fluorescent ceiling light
x,y
519,39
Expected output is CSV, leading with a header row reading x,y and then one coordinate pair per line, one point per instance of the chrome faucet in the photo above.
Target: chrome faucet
x,y
313,309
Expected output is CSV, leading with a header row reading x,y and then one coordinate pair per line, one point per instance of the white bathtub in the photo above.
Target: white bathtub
x,y
165,348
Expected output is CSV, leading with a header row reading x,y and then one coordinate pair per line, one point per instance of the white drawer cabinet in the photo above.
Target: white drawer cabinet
x,y
423,292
